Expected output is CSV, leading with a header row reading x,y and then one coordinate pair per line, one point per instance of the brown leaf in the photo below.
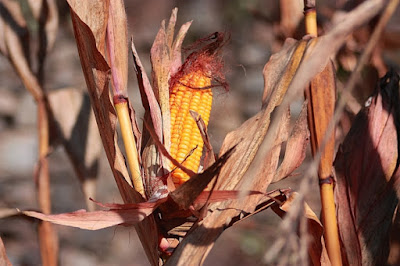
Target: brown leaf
x,y
316,250
79,135
250,135
368,177
4,261
95,15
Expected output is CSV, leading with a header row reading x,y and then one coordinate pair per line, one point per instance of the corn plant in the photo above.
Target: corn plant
x,y
179,195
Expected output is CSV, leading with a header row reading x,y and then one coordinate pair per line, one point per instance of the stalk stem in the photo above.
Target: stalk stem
x,y
321,101
130,145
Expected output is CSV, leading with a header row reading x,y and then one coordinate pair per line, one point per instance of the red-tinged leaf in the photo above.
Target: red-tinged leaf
x,y
316,246
95,220
4,261
117,47
368,177
78,133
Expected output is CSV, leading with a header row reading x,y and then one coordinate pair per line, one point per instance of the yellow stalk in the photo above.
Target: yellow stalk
x,y
130,145
310,18
320,113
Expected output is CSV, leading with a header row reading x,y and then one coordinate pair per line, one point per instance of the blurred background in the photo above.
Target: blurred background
x,y
257,28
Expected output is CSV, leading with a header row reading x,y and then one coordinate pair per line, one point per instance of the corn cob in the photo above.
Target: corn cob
x,y
191,92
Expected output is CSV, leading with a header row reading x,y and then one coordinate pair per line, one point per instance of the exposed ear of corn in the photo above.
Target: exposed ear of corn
x,y
191,92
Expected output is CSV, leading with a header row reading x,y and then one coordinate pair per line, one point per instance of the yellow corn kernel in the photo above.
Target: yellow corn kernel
x,y
185,95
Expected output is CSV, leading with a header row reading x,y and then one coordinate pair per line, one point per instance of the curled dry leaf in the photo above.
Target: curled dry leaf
x,y
368,177
78,133
295,147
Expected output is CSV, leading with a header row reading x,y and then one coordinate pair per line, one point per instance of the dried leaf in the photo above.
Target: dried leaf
x,y
79,135
176,58
149,100
250,135
4,261
95,15
99,219
316,249
295,148
166,59
368,177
